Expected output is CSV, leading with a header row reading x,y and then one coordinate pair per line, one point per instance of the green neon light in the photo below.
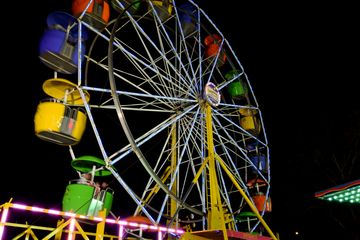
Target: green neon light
x,y
350,195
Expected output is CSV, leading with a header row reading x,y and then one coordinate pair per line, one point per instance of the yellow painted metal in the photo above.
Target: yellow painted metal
x,y
189,236
168,8
50,115
163,178
173,202
248,111
64,90
100,227
28,232
215,212
59,228
169,170
250,124
248,201
155,189
249,121
59,233
82,232
217,216
201,169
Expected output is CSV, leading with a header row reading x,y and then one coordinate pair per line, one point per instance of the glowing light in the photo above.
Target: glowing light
x,y
54,212
3,220
154,228
68,214
99,219
110,221
121,232
71,229
144,226
19,206
345,193
132,224
121,222
37,209
161,230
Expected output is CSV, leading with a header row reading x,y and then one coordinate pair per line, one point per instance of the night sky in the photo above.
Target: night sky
x,y
302,61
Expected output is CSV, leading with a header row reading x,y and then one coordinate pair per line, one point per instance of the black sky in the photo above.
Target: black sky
x,y
303,62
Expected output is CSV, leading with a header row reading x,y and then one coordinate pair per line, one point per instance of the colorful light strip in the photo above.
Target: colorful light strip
x,y
122,224
344,193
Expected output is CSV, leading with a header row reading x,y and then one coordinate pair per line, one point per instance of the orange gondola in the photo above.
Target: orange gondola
x,y
262,203
212,48
97,12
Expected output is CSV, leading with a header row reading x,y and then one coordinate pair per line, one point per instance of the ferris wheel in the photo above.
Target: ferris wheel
x,y
169,108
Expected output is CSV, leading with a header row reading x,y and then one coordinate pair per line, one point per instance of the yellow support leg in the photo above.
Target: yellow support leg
x,y
216,212
248,201
100,227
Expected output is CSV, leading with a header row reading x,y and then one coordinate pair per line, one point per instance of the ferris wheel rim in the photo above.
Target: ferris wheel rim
x,y
133,142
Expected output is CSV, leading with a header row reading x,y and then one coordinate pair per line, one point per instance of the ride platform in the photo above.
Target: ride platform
x,y
19,221
219,235
16,223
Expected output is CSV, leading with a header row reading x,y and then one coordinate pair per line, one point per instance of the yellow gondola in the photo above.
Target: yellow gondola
x,y
61,118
